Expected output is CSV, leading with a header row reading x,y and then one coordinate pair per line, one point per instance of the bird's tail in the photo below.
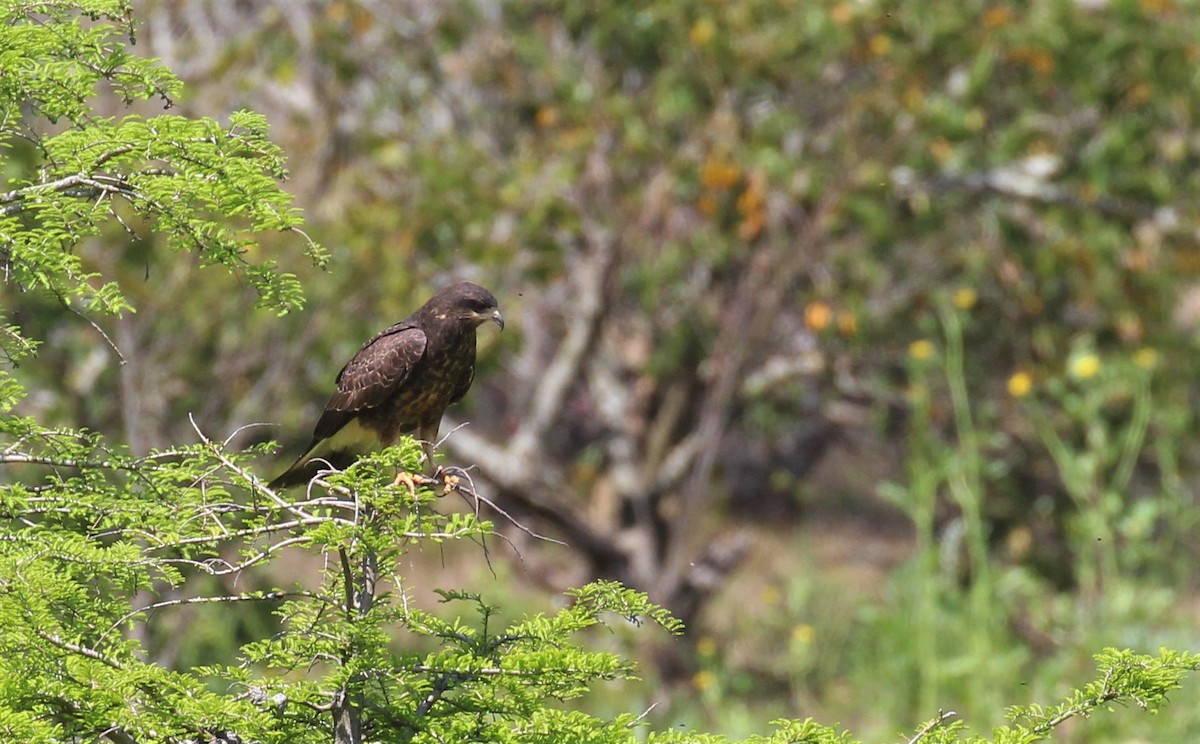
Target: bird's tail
x,y
338,450
308,466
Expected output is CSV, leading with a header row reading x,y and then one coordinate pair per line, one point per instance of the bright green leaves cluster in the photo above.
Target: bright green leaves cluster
x,y
55,64
807,731
87,533
1122,678
94,532
203,186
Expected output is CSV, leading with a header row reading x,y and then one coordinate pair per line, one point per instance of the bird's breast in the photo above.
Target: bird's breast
x,y
427,392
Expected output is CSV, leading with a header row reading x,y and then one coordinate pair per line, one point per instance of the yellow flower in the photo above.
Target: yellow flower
x,y
880,45
1146,358
817,316
547,116
706,646
1020,384
921,349
941,149
1084,366
717,173
1019,541
702,32
803,633
1138,94
975,120
998,16
912,97
1042,62
704,680
847,323
964,298
1156,7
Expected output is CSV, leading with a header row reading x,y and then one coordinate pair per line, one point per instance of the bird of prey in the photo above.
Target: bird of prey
x,y
401,380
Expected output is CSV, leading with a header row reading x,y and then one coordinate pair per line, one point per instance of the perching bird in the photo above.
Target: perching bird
x,y
402,380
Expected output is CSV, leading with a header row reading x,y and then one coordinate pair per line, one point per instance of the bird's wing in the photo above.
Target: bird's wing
x,y
372,376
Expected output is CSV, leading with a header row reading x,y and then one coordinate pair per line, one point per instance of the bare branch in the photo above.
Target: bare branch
x,y
13,458
1018,183
267,597
941,718
91,653
257,485
108,340
266,529
589,307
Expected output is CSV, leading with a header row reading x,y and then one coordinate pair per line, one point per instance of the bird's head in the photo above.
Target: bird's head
x,y
472,304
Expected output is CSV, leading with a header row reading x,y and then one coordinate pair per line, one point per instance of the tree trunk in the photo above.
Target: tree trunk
x,y
360,595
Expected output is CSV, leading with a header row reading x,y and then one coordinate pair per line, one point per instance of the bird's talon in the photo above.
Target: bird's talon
x,y
447,478
406,478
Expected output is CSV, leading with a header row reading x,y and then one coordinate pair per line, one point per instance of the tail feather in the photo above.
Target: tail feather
x,y
306,467
339,450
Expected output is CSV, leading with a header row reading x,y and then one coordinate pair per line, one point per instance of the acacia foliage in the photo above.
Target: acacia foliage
x,y
205,186
106,542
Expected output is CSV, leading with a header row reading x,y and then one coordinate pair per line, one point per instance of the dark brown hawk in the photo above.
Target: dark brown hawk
x,y
402,380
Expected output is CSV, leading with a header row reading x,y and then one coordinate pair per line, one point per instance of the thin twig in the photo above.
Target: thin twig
x,y
103,334
252,479
642,716
469,492
270,596
75,648
941,718
10,458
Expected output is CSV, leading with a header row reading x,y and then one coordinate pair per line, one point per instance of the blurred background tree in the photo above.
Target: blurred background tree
x,y
858,334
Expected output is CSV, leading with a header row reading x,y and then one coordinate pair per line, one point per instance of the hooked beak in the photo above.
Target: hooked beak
x,y
499,319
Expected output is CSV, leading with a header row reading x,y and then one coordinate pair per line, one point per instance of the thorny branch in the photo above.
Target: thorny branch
x,y
1106,695
256,485
55,640
80,185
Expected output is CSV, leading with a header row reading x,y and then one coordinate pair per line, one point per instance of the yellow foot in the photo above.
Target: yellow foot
x,y
412,480
448,479
406,478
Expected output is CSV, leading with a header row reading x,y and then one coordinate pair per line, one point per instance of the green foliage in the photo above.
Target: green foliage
x,y
1122,678
104,531
208,187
